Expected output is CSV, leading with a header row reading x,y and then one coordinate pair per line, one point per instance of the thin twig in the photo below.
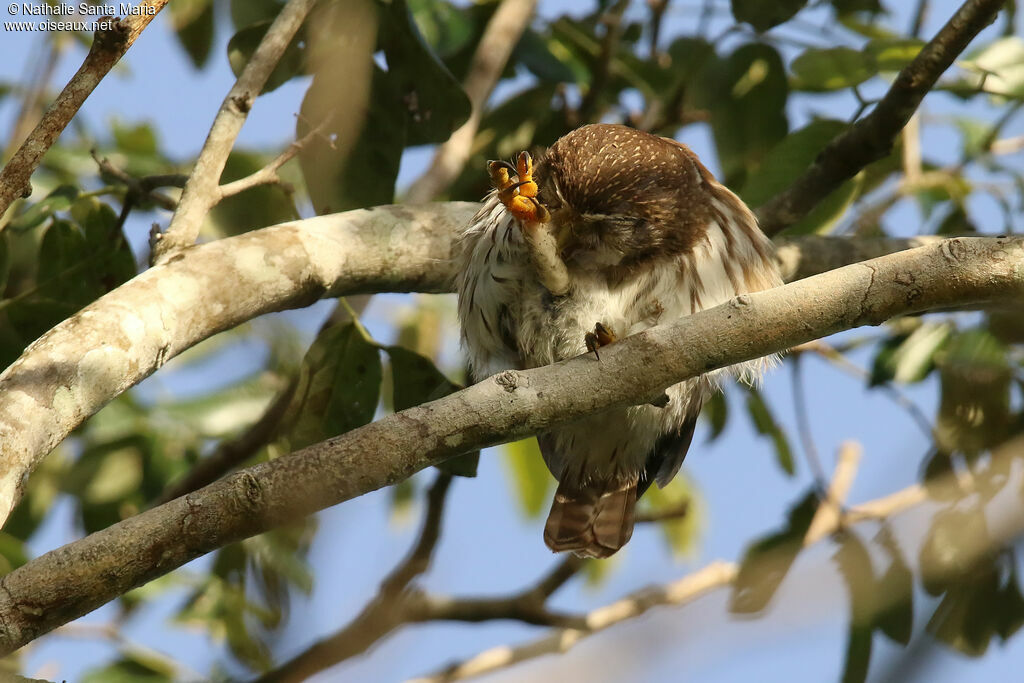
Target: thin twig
x,y
828,516
108,46
871,138
144,187
492,53
202,191
803,422
268,175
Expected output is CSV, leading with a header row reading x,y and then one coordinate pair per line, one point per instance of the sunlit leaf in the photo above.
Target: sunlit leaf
x,y
766,425
745,94
831,69
339,387
529,475
912,358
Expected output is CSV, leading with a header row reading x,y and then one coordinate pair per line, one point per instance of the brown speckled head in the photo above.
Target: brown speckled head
x,y
622,189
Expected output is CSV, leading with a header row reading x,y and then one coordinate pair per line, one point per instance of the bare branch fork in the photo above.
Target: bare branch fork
x,y
54,589
108,46
202,190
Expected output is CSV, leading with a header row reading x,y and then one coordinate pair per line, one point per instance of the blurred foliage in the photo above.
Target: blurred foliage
x,y
382,76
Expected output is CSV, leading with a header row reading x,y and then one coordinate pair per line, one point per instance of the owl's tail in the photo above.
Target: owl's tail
x,y
591,520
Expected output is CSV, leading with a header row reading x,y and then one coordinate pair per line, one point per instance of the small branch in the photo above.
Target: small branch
x,y
871,138
386,612
492,54
680,592
54,588
827,519
201,191
108,46
268,174
145,187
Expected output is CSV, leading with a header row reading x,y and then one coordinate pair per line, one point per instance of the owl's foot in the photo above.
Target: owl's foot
x,y
519,196
601,336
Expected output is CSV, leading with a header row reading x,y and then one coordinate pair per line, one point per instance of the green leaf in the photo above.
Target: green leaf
x,y
892,54
855,567
248,12
894,593
765,14
831,69
766,562
433,101
716,412
850,6
682,534
789,159
59,199
549,60
745,94
243,44
912,358
12,553
338,389
416,381
999,67
133,668
362,170
948,553
974,406
529,475
193,22
446,28
766,425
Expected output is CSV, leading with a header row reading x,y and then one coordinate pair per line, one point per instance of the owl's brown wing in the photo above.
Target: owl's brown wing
x,y
667,456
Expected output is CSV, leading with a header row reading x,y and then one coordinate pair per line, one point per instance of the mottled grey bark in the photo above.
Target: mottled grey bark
x,y
79,577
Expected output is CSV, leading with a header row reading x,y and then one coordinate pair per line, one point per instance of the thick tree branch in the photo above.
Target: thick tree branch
x,y
501,35
871,138
77,367
55,587
202,190
108,46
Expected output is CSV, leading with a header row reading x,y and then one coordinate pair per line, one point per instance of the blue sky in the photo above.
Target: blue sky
x,y
487,546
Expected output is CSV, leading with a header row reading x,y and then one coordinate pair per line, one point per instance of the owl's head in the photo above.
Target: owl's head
x,y
620,196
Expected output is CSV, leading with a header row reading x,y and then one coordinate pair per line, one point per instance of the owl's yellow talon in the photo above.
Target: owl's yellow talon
x,y
519,195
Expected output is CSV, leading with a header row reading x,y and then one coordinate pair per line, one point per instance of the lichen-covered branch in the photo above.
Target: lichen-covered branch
x,y
75,579
871,138
77,367
203,190
108,46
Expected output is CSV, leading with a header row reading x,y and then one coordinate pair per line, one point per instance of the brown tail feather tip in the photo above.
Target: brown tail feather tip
x,y
591,520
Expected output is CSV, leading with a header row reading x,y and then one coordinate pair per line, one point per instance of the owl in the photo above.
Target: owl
x,y
612,231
